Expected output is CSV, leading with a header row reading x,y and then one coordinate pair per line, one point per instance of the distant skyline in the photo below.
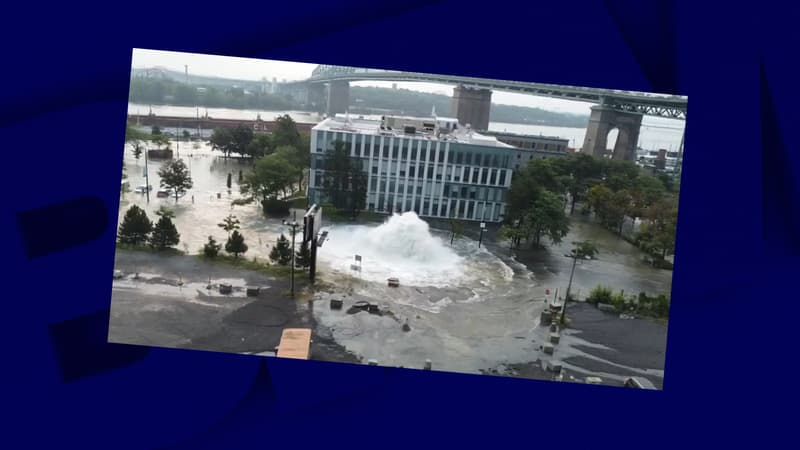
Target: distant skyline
x,y
257,69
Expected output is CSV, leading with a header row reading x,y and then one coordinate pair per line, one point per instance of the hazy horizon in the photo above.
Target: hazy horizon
x,y
251,69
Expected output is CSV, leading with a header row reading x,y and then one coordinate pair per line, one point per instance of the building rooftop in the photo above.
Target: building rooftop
x,y
524,136
373,126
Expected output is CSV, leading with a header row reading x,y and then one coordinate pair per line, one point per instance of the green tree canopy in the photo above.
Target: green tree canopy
x,y
164,234
547,217
175,176
344,182
281,253
236,244
229,224
270,177
135,227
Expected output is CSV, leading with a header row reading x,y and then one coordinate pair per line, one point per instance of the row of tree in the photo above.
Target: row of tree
x,y
160,91
137,229
279,158
280,254
611,189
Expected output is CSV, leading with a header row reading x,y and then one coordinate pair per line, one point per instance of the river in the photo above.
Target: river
x,y
655,133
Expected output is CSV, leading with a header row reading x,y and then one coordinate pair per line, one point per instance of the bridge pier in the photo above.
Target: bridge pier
x,y
604,119
316,96
472,106
338,97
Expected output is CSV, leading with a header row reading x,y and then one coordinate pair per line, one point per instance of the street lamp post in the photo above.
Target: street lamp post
x,y
569,285
483,227
293,225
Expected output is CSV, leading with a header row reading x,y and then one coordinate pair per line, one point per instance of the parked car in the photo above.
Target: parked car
x,y
142,188
163,192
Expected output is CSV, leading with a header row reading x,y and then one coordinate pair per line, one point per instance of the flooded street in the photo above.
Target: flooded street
x,y
197,220
464,308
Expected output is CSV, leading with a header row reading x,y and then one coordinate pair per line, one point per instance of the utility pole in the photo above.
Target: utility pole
x,y
569,286
146,176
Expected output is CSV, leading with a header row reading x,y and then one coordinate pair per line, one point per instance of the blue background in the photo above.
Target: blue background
x,y
62,121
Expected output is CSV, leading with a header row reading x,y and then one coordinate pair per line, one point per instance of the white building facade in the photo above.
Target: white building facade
x,y
427,165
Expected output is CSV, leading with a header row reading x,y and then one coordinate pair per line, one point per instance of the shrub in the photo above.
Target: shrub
x,y
282,252
211,248
600,294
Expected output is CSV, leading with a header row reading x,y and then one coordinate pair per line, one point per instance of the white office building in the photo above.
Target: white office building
x,y
433,166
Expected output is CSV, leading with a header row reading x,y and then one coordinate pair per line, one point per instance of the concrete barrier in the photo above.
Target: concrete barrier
x,y
336,303
554,338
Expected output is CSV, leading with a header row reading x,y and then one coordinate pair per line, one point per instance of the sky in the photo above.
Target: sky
x,y
256,69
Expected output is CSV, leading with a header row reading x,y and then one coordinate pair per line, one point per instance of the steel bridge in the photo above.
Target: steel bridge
x,y
670,106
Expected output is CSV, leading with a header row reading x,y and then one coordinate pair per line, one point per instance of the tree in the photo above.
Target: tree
x,y
155,130
259,146
547,217
211,248
296,161
513,233
270,177
135,227
281,252
221,140
581,250
241,137
580,171
530,182
285,132
345,183
657,236
164,234
303,256
286,135
175,176
186,135
230,223
456,229
236,244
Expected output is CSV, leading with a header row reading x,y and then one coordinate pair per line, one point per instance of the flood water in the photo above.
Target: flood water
x,y
467,308
655,132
